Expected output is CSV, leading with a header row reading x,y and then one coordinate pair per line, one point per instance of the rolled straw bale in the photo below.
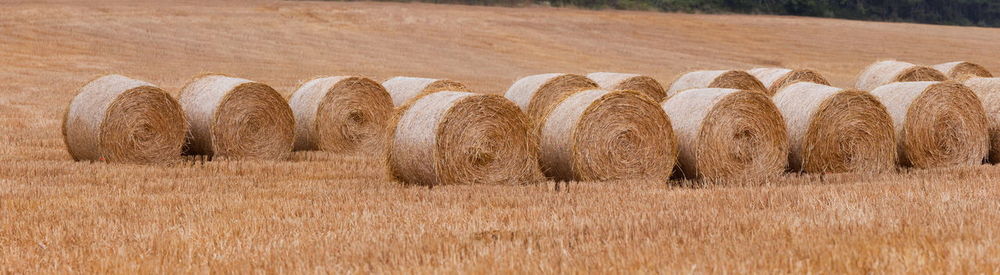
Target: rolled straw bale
x,y
602,135
834,130
938,124
889,71
403,88
461,138
728,134
776,78
739,80
536,95
237,119
961,70
639,83
988,91
118,119
342,114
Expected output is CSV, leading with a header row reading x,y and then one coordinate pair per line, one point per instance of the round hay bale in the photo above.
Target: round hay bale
x,y
461,138
889,71
341,114
988,91
728,134
938,124
603,135
833,130
118,119
776,78
403,88
536,95
235,118
962,70
739,80
639,83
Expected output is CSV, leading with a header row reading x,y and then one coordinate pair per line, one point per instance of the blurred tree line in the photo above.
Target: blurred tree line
x,y
952,12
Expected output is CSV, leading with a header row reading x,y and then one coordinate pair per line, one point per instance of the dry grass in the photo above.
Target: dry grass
x,y
322,212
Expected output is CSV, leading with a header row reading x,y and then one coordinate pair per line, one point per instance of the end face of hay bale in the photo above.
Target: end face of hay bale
x,y
235,118
462,138
403,89
939,124
728,134
536,95
833,130
961,70
889,71
633,82
341,114
119,119
716,79
774,79
988,91
602,135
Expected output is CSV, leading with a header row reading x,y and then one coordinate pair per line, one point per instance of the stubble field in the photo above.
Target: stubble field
x,y
330,213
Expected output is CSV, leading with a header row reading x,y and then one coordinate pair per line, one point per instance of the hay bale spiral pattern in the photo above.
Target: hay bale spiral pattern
x,y
118,119
341,114
536,95
777,78
961,70
403,88
634,82
889,71
739,80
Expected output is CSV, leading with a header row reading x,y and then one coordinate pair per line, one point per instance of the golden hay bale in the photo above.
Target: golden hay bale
x,y
988,91
728,134
776,78
938,124
833,130
603,135
461,138
536,95
118,119
962,70
739,80
639,83
403,89
236,118
889,71
341,114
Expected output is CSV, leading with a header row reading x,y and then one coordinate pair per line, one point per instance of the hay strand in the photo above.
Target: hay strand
x,y
777,78
634,82
461,138
403,88
602,135
728,134
118,119
833,130
938,124
889,71
961,70
536,95
235,118
739,80
340,114
988,91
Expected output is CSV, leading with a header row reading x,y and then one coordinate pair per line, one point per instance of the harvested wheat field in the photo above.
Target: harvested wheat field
x,y
326,213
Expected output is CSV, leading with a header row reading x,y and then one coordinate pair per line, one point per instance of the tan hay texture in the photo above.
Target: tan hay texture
x,y
834,130
776,78
988,91
450,137
728,134
341,114
634,82
118,119
889,71
938,124
536,95
603,135
404,88
961,70
235,118
739,80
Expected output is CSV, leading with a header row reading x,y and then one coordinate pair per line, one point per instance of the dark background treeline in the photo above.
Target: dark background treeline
x,y
951,12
